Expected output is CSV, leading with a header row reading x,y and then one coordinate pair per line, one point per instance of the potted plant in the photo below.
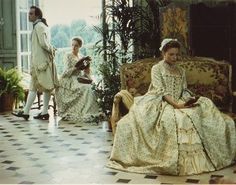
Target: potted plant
x,y
10,89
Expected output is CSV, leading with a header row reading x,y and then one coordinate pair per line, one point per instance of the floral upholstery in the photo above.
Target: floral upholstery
x,y
137,75
205,76
210,78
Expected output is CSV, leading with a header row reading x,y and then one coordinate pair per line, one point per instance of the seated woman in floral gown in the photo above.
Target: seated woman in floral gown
x,y
76,101
167,131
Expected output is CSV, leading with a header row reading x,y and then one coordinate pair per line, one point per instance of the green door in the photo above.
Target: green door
x,y
8,46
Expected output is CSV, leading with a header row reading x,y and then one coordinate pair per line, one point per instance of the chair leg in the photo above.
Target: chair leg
x,y
39,99
26,95
54,104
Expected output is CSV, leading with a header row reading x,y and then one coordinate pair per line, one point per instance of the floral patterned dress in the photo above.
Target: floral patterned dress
x,y
155,138
76,101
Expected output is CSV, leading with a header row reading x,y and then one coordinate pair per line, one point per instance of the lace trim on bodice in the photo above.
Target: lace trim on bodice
x,y
173,83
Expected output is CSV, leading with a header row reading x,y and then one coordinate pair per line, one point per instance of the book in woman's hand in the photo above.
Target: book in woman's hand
x,y
85,79
191,101
83,63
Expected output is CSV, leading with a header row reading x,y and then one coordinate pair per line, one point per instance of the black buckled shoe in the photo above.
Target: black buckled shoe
x,y
42,116
21,114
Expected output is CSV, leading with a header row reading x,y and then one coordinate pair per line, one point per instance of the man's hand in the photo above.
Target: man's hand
x,y
54,51
52,54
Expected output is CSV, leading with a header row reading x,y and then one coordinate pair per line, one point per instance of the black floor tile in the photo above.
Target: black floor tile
x,y
39,142
26,182
212,176
104,152
84,129
12,140
50,151
81,154
66,145
8,136
111,173
79,138
42,129
39,165
29,134
73,134
28,154
22,149
73,149
59,140
13,121
195,181
123,181
13,168
66,131
20,127
86,142
3,156
34,159
24,131
16,144
44,146
7,162
150,177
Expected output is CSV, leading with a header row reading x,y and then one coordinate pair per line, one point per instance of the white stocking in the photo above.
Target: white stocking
x,y
30,100
46,99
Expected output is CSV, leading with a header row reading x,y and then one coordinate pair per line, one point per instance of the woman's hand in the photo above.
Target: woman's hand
x,y
184,106
180,106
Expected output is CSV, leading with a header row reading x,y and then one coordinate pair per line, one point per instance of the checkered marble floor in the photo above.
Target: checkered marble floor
x,y
60,152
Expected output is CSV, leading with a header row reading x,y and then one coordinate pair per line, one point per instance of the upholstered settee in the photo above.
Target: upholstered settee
x,y
205,76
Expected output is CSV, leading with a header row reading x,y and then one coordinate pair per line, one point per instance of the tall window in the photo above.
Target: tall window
x,y
24,28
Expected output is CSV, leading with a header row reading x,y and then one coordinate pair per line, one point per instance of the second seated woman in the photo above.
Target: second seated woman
x,y
76,101
167,131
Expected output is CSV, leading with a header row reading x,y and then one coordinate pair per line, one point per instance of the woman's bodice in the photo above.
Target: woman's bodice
x,y
173,84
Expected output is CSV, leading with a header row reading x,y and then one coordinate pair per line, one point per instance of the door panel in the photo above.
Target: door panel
x,y
8,48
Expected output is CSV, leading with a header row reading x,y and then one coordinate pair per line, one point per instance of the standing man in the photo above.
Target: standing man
x,y
43,71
